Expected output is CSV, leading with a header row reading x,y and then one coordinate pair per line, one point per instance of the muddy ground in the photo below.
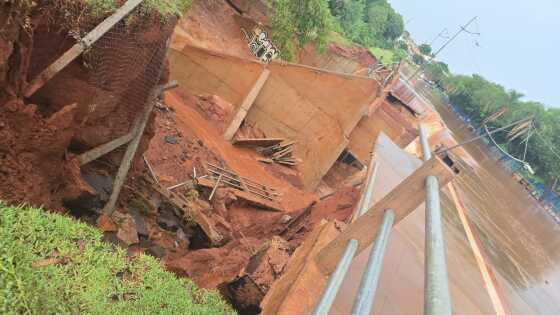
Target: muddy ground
x,y
95,99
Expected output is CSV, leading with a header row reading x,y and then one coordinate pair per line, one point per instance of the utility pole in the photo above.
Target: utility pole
x,y
463,29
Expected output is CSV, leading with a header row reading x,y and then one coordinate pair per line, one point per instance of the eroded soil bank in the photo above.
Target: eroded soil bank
x,y
96,98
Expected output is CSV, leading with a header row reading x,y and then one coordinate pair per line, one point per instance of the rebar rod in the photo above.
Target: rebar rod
x,y
364,300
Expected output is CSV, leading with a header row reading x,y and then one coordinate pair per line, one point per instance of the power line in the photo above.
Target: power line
x,y
463,29
444,31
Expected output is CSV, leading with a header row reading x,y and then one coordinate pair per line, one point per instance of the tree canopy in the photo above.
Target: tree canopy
x,y
296,23
371,23
425,49
368,22
479,98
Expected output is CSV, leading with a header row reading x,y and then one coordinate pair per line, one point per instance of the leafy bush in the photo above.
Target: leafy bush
x,y
52,264
418,59
296,23
425,49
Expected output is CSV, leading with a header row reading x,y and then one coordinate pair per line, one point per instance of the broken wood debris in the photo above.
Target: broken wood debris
x,y
245,189
216,186
184,209
298,223
280,153
150,169
189,183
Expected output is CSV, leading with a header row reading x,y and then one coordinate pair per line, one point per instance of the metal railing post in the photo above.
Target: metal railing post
x,y
335,280
364,300
436,288
368,192
426,152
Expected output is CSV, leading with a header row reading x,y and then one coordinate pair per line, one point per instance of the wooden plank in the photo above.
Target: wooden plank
x,y
282,153
403,199
246,105
254,142
103,149
80,47
246,196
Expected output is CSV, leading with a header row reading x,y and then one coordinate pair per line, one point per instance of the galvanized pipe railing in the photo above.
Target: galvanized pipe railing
x,y
436,289
335,281
437,300
364,300
329,294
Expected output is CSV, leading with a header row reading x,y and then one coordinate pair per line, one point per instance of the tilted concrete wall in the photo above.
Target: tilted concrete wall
x,y
385,118
201,72
316,108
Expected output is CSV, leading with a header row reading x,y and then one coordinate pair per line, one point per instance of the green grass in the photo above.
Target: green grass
x,y
164,7
337,38
385,55
91,277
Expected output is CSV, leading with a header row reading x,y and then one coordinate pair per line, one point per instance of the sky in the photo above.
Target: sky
x,y
518,47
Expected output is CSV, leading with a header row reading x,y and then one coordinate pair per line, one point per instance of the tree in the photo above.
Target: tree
x,y
351,19
418,59
425,49
478,98
402,45
295,23
395,25
437,72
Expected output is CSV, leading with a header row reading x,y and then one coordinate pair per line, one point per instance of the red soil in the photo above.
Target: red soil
x,y
37,142
200,140
211,24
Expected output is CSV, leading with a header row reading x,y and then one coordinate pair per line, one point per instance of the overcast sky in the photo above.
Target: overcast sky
x,y
518,48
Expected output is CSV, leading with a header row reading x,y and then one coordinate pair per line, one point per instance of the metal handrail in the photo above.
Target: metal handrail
x,y
437,300
335,281
364,300
336,278
436,288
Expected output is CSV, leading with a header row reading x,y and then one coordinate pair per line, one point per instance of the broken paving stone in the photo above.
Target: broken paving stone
x,y
106,224
140,223
127,232
171,139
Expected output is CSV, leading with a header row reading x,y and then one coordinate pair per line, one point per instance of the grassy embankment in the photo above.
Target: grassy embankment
x,y
52,264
